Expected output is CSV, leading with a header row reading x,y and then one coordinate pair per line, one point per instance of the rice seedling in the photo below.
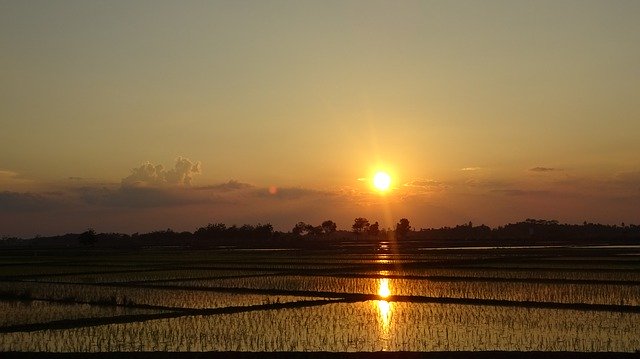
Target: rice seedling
x,y
353,327
512,291
139,296
39,290
35,311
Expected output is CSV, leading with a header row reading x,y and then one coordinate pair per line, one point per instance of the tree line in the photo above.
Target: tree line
x,y
363,229
534,229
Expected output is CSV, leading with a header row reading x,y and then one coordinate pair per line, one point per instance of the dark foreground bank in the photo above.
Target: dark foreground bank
x,y
313,355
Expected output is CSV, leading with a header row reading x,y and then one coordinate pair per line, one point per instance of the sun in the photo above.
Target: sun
x,y
381,181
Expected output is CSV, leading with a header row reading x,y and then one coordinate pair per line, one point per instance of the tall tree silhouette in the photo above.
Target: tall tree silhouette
x,y
374,229
300,229
329,226
403,228
360,225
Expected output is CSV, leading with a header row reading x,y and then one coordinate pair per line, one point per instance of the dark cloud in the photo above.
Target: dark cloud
x,y
27,201
520,192
53,193
149,175
544,169
288,193
628,178
232,185
141,197
629,181
246,190
148,187
10,179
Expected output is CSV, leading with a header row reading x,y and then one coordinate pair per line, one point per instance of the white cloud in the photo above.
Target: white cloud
x,y
149,175
426,184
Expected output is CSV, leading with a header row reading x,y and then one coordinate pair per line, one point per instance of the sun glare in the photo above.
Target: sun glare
x,y
383,289
381,181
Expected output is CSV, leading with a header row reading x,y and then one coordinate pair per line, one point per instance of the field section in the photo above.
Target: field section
x,y
339,300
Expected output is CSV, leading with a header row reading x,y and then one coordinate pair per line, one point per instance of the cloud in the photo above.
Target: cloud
x,y
520,192
471,169
232,185
628,180
544,169
149,175
28,201
147,186
14,181
288,193
141,197
151,186
240,190
430,185
486,183
8,174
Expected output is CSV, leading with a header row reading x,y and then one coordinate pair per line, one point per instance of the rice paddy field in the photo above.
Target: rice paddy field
x,y
338,300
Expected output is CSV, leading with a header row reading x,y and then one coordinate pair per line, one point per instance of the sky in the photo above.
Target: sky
x,y
132,116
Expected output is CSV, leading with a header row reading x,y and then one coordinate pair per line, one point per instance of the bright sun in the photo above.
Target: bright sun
x,y
381,181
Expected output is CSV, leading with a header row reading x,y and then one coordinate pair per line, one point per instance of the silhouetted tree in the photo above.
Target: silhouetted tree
x,y
374,229
212,231
315,231
329,226
300,229
88,237
263,231
402,228
360,225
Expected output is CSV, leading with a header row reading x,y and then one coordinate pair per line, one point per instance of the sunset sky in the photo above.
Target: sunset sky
x,y
131,116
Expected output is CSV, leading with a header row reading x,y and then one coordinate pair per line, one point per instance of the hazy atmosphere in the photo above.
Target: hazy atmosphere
x,y
135,116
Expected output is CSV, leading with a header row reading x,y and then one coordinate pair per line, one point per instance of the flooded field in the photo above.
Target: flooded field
x,y
526,299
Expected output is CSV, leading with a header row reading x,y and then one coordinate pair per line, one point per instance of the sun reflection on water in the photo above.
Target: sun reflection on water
x,y
383,288
385,310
